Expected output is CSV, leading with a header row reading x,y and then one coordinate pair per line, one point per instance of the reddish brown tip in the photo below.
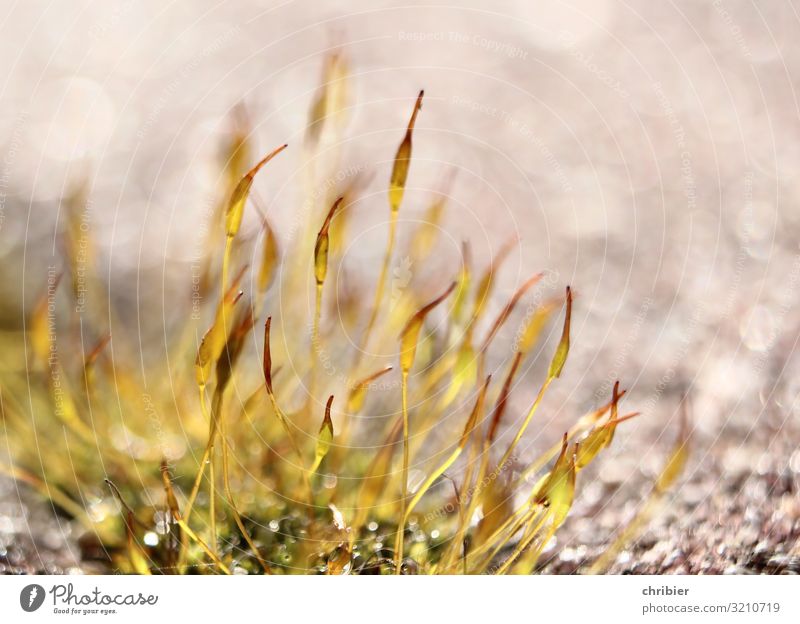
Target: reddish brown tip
x,y
267,355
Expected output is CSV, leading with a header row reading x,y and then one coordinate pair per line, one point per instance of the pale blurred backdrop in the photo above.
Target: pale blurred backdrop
x,y
644,152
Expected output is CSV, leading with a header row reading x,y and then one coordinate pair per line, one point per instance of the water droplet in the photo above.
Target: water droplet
x,y
415,479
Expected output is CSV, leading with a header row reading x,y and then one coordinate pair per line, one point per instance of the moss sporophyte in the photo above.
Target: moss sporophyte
x,y
240,475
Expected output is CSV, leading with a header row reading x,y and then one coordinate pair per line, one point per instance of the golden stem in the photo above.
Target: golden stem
x,y
226,259
387,259
404,475
525,424
284,422
212,506
315,344
227,484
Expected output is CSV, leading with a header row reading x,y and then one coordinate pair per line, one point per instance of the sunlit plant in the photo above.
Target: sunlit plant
x,y
240,476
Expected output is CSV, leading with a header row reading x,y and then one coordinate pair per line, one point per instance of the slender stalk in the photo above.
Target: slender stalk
x,y
206,455
518,518
376,303
398,558
301,464
315,344
429,482
321,248
226,261
475,496
523,544
462,444
525,423
267,369
182,523
229,493
397,185
212,504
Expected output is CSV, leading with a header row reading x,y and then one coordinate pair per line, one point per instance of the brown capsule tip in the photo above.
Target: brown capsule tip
x,y
564,444
98,348
363,382
615,397
252,173
267,355
502,400
413,120
329,217
327,423
473,417
622,419
423,312
418,103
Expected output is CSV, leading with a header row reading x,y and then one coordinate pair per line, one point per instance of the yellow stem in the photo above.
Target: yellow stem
x,y
429,482
387,259
404,476
520,516
475,495
285,423
226,259
206,455
315,344
523,544
525,424
227,484
182,523
212,507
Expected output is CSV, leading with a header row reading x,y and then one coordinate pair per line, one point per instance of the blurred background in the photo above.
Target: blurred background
x,y
643,152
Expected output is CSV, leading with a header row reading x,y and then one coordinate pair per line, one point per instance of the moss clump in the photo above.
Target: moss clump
x,y
222,470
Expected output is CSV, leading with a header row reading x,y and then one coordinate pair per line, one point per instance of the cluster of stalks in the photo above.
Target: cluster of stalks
x,y
239,466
